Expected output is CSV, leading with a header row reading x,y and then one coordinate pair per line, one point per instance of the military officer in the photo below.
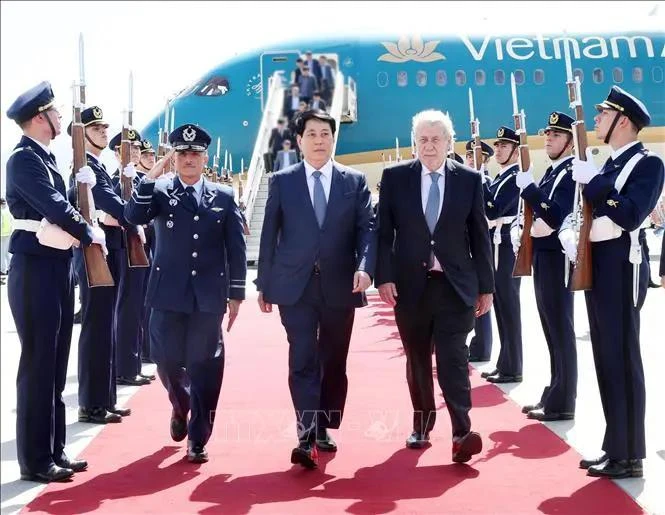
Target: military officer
x,y
130,298
199,268
501,198
95,355
622,193
551,201
40,286
480,348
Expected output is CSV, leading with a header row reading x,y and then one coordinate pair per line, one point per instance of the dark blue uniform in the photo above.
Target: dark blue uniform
x,y
41,297
613,319
553,298
501,198
199,262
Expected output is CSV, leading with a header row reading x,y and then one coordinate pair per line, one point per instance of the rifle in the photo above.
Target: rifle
x,y
475,134
524,257
582,272
135,249
96,268
215,162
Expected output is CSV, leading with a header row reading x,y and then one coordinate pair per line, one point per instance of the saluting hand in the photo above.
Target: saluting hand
x,y
388,293
234,308
265,307
158,169
361,281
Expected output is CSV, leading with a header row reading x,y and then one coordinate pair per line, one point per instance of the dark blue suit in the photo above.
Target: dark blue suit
x,y
41,297
199,262
435,308
507,297
614,321
95,367
553,298
308,271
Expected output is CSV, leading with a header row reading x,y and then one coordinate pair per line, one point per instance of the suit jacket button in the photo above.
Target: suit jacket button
x,y
221,274
424,264
196,236
195,254
431,242
157,268
193,272
196,218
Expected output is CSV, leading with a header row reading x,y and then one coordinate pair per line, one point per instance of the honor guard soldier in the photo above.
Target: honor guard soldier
x,y
552,201
501,199
622,193
199,267
41,287
130,297
96,378
480,347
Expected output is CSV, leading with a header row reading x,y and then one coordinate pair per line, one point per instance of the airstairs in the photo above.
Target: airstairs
x,y
255,193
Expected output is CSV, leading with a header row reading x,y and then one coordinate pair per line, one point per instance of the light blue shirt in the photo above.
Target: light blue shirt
x,y
198,188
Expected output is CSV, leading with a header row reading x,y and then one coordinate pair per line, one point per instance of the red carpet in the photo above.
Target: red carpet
x,y
135,467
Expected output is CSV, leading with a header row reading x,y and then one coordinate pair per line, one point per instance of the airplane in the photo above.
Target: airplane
x,y
392,78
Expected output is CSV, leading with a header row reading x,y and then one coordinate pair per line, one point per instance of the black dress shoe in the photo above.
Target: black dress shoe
x,y
53,474
476,359
123,412
324,442
305,455
531,407
653,284
149,377
586,463
485,375
132,381
178,427
500,378
467,446
540,414
98,416
75,465
196,453
616,469
417,440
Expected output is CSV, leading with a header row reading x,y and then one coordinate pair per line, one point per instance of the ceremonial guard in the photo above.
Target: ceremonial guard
x,y
551,201
41,287
199,267
501,198
97,389
480,347
130,296
622,194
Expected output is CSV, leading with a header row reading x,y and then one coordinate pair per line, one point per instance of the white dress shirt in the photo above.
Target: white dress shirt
x,y
44,147
616,153
425,184
326,178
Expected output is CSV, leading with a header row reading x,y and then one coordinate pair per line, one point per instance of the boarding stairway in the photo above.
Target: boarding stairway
x,y
255,193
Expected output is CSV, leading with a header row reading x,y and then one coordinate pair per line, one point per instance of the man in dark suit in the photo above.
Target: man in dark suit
x,y
198,271
286,157
318,102
40,289
277,137
292,101
313,65
435,268
308,84
316,259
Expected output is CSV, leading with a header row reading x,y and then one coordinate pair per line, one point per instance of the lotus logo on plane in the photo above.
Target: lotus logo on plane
x,y
411,49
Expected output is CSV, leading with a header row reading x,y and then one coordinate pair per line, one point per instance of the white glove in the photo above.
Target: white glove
x,y
169,175
569,244
85,175
515,240
141,233
99,237
523,179
129,171
584,171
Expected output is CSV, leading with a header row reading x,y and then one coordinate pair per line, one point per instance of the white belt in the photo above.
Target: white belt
x,y
48,234
603,229
540,229
500,221
26,225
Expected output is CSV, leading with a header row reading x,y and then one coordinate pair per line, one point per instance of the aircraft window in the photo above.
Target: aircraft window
x,y
382,79
657,74
538,76
215,86
579,73
519,77
499,77
441,78
480,77
460,77
617,75
402,79
421,78
637,75
598,75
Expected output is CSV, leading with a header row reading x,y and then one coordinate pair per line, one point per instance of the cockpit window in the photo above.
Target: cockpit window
x,y
214,87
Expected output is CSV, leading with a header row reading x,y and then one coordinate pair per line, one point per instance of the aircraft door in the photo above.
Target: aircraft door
x,y
273,61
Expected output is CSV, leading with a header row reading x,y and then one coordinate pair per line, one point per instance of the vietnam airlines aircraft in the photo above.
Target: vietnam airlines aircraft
x,y
388,79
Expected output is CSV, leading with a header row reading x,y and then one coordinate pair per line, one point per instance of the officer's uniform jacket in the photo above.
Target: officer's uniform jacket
x,y
501,198
200,257
36,190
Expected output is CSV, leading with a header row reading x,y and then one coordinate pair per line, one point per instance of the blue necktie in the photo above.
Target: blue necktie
x,y
320,202
432,206
190,198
